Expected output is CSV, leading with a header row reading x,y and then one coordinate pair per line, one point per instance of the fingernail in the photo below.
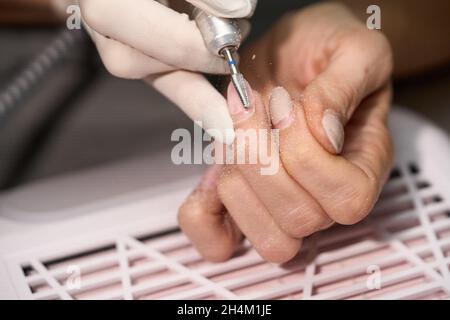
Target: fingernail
x,y
237,110
280,108
333,129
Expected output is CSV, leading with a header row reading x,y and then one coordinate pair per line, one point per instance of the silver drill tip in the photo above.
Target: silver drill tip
x,y
241,88
236,77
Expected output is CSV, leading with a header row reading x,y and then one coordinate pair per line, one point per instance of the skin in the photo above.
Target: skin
x,y
327,60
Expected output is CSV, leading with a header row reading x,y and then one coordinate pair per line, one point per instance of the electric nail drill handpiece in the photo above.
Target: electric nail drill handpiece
x,y
223,37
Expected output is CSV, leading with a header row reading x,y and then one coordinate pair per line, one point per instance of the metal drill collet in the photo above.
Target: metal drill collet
x,y
223,37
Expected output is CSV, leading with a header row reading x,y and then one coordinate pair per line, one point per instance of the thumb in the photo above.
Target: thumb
x,y
352,74
227,9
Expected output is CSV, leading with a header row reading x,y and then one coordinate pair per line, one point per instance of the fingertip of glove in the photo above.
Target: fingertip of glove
x,y
227,9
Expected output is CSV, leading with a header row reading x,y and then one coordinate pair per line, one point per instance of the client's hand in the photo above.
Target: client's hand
x,y
321,75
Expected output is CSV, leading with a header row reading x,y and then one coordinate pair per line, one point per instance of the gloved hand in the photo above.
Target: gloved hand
x,y
142,39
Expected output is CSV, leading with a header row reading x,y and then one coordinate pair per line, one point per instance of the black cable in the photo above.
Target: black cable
x,y
41,134
60,51
38,69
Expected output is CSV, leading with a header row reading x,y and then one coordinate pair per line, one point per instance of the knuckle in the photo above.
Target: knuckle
x,y
386,54
278,249
218,254
191,217
190,213
382,49
183,215
298,229
356,205
302,222
380,55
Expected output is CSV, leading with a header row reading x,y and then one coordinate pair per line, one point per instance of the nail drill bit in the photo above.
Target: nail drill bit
x,y
236,77
223,38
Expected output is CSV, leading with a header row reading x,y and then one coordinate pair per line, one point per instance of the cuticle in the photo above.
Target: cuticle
x,y
288,120
244,115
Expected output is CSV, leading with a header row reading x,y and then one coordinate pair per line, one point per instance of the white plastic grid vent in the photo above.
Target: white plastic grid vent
x,y
406,238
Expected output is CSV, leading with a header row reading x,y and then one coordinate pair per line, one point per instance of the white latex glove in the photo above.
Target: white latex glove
x,y
144,39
